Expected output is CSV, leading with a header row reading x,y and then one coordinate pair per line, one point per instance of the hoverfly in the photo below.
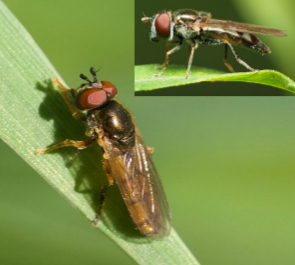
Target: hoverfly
x,y
126,159
199,28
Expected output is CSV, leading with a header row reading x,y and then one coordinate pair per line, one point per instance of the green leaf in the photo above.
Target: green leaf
x,y
175,76
33,115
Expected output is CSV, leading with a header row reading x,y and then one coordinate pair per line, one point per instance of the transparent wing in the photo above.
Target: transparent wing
x,y
241,27
140,187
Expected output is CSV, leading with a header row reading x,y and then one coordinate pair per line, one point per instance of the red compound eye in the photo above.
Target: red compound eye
x,y
109,88
91,98
162,24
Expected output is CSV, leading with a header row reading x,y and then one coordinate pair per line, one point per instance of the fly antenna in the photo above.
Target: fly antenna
x,y
84,77
93,72
146,19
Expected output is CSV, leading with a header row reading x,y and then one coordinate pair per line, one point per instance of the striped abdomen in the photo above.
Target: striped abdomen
x,y
242,38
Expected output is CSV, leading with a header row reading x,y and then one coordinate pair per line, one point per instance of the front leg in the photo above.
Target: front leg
x,y
168,53
167,50
65,93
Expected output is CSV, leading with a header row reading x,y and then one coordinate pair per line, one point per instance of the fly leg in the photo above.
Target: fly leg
x,y
76,113
65,143
189,52
103,192
227,64
193,46
165,64
65,93
167,50
237,58
150,150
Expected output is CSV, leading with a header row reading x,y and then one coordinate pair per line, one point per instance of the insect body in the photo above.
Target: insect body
x,y
127,160
199,28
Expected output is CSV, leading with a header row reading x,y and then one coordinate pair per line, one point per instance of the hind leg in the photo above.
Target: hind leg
x,y
237,58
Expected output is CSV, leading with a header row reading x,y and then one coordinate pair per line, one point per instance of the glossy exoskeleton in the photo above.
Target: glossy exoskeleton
x,y
126,159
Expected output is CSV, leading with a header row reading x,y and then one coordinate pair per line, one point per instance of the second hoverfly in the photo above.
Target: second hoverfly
x,y
127,160
199,28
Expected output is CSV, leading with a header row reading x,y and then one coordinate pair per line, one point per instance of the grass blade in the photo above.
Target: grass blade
x,y
33,115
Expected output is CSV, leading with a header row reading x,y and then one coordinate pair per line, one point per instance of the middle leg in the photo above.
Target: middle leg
x,y
193,46
103,191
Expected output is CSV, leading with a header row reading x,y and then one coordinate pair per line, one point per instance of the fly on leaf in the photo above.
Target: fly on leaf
x,y
199,28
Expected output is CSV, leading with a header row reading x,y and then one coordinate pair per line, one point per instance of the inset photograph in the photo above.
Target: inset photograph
x,y
211,48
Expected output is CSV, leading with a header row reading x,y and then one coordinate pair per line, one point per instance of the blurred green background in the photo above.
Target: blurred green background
x,y
227,163
270,13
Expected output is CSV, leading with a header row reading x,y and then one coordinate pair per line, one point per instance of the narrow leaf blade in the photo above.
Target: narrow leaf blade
x,y
175,76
